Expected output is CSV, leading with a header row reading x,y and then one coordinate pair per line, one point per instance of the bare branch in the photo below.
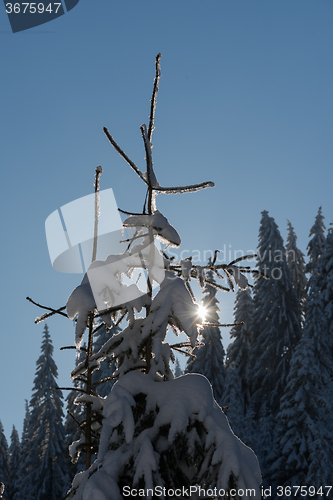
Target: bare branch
x,y
216,285
47,315
184,189
99,171
73,347
223,324
129,213
121,152
154,96
242,258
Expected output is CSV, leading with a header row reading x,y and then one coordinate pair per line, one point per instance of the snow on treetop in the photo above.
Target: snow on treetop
x,y
165,232
176,405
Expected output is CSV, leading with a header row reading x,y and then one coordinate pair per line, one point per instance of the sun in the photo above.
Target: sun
x,y
202,312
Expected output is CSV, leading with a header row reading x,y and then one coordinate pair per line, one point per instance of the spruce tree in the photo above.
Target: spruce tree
x,y
102,377
233,400
238,352
209,358
4,461
276,326
316,244
296,264
177,370
45,468
325,272
74,421
15,454
302,451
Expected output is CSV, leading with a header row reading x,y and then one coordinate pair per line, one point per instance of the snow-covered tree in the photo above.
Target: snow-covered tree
x,y
74,421
296,264
325,271
209,358
233,400
238,352
158,431
316,244
4,460
15,456
102,377
45,468
276,327
177,369
302,451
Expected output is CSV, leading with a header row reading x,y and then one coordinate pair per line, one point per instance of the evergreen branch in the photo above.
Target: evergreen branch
x,y
47,315
106,379
121,152
154,96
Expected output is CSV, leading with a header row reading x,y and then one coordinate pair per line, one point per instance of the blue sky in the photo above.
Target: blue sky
x,y
245,101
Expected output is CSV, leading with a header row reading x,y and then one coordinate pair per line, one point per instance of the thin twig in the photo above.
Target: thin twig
x,y
129,213
72,389
99,171
73,347
192,188
124,155
47,315
154,96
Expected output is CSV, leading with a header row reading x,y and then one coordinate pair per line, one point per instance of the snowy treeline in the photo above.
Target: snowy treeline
x,y
133,427
277,378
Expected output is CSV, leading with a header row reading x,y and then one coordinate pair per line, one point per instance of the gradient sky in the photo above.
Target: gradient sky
x,y
245,101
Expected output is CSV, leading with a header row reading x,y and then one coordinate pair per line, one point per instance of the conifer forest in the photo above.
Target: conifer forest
x,y
250,419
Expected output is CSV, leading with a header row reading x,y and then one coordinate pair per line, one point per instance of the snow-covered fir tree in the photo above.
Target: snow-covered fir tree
x,y
276,326
15,455
209,358
302,450
325,272
158,431
233,400
238,351
45,469
102,377
316,243
177,370
74,420
296,264
4,461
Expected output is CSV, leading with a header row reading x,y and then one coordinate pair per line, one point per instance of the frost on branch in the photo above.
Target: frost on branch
x,y
149,425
